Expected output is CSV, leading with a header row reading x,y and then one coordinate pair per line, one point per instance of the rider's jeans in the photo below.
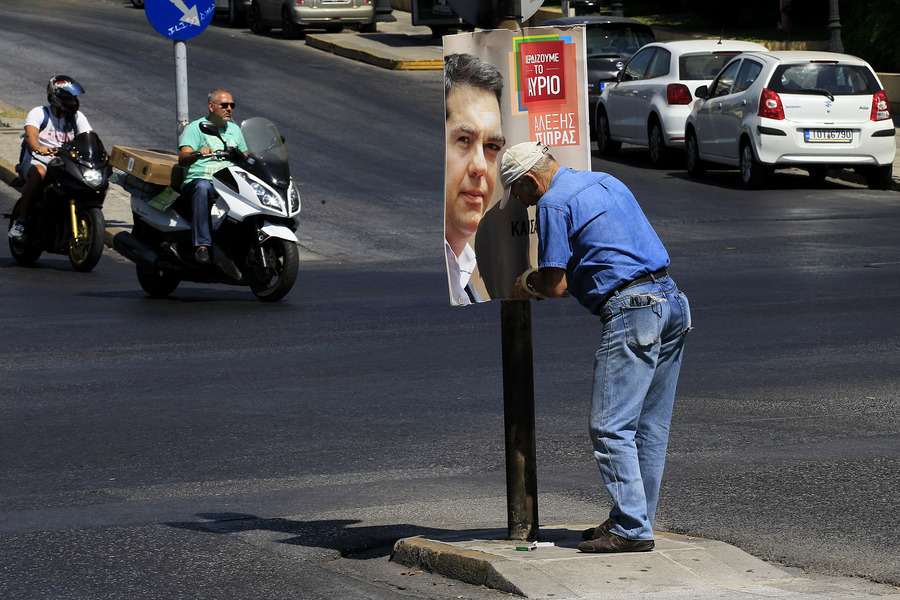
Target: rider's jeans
x,y
635,374
202,194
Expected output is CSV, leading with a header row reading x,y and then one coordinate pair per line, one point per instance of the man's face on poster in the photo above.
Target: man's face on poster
x,y
474,142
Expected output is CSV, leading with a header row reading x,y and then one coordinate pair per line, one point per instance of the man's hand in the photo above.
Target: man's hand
x,y
519,292
235,155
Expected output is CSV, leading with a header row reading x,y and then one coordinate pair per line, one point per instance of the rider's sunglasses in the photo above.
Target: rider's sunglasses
x,y
227,105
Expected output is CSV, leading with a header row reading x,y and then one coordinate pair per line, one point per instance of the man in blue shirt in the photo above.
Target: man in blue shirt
x,y
595,242
195,153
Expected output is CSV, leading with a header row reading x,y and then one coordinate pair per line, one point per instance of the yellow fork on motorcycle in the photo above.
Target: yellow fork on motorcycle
x,y
76,234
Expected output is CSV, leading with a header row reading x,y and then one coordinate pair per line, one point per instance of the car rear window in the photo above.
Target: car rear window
x,y
814,78
620,39
702,66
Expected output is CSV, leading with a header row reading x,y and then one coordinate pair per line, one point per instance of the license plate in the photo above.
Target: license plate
x,y
843,136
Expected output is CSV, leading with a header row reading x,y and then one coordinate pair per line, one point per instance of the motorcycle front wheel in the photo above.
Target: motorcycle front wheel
x,y
86,248
157,284
272,274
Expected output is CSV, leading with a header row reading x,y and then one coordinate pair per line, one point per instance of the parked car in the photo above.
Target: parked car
x,y
293,16
813,110
235,9
651,98
611,41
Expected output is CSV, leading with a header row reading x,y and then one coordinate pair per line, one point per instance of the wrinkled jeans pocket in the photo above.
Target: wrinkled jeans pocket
x,y
643,324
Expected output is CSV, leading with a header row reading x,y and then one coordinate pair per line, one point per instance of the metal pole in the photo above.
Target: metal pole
x,y
518,413
834,28
181,89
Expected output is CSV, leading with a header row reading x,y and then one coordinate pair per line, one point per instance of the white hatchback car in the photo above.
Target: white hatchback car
x,y
813,110
650,100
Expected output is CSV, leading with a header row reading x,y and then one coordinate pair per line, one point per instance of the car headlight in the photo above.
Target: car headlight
x,y
93,177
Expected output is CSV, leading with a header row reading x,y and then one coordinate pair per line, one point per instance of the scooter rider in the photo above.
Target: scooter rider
x,y
47,128
194,150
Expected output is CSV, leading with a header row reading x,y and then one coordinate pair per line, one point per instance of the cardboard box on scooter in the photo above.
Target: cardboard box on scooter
x,y
146,165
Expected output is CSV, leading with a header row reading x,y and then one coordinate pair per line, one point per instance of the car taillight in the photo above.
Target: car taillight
x,y
770,105
880,108
678,93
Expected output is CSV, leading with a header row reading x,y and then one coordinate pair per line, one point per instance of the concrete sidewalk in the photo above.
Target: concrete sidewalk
x,y
679,567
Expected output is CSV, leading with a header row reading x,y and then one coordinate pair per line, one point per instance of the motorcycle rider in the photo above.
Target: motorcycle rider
x,y
194,148
47,128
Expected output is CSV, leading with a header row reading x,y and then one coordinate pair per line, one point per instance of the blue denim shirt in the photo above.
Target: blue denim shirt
x,y
591,225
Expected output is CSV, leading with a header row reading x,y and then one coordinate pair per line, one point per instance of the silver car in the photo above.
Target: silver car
x,y
651,98
293,16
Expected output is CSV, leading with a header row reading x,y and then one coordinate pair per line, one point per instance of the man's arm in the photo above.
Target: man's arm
x,y
549,282
33,142
188,156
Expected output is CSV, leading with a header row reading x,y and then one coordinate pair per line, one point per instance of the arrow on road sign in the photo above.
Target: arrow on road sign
x,y
190,14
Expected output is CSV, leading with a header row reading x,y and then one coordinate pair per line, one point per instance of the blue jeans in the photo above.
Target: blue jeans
x,y
635,374
201,194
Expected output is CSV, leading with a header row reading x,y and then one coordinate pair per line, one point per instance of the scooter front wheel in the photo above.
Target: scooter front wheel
x,y
273,269
157,284
86,248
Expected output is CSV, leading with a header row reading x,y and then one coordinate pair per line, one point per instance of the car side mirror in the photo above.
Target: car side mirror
x,y
702,92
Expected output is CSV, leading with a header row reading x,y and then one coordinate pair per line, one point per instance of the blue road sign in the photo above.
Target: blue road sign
x,y
179,19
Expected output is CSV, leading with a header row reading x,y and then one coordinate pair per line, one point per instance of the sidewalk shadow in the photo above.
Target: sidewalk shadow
x,y
339,535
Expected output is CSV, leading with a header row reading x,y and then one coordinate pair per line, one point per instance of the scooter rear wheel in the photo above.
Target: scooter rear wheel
x,y
157,284
85,253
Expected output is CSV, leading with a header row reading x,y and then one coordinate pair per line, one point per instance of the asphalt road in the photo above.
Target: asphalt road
x,y
212,446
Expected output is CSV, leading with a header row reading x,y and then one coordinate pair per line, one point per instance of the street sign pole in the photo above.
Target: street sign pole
x,y
181,89
518,416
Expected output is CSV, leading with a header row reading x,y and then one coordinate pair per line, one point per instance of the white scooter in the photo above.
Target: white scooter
x,y
253,224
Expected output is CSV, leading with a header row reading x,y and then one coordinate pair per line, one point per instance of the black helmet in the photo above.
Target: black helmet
x,y
62,91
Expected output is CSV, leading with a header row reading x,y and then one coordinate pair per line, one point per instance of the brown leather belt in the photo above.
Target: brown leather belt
x,y
651,277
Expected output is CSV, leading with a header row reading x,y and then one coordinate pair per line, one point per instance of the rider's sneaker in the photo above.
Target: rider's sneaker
x,y
17,231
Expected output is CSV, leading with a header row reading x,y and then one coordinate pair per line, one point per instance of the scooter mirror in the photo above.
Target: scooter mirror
x,y
210,129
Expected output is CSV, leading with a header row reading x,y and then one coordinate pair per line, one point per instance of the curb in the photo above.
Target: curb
x,y
7,172
469,566
321,43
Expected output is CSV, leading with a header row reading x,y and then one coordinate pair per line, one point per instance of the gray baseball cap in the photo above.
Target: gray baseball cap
x,y
519,159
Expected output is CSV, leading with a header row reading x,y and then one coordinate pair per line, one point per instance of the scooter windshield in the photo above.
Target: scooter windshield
x,y
88,148
264,145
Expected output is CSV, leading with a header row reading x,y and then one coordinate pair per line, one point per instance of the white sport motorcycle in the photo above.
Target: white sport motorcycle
x,y
253,224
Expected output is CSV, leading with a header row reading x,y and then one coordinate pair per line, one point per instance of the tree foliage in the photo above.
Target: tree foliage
x,y
868,28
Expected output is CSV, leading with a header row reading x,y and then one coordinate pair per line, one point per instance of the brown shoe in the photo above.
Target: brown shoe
x,y
614,543
597,532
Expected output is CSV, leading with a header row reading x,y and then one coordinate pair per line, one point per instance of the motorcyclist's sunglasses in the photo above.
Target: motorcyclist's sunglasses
x,y
227,105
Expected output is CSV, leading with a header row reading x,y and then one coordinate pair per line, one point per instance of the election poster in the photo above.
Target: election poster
x,y
501,88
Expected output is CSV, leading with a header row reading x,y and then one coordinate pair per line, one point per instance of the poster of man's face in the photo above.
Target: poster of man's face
x,y
474,141
492,100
